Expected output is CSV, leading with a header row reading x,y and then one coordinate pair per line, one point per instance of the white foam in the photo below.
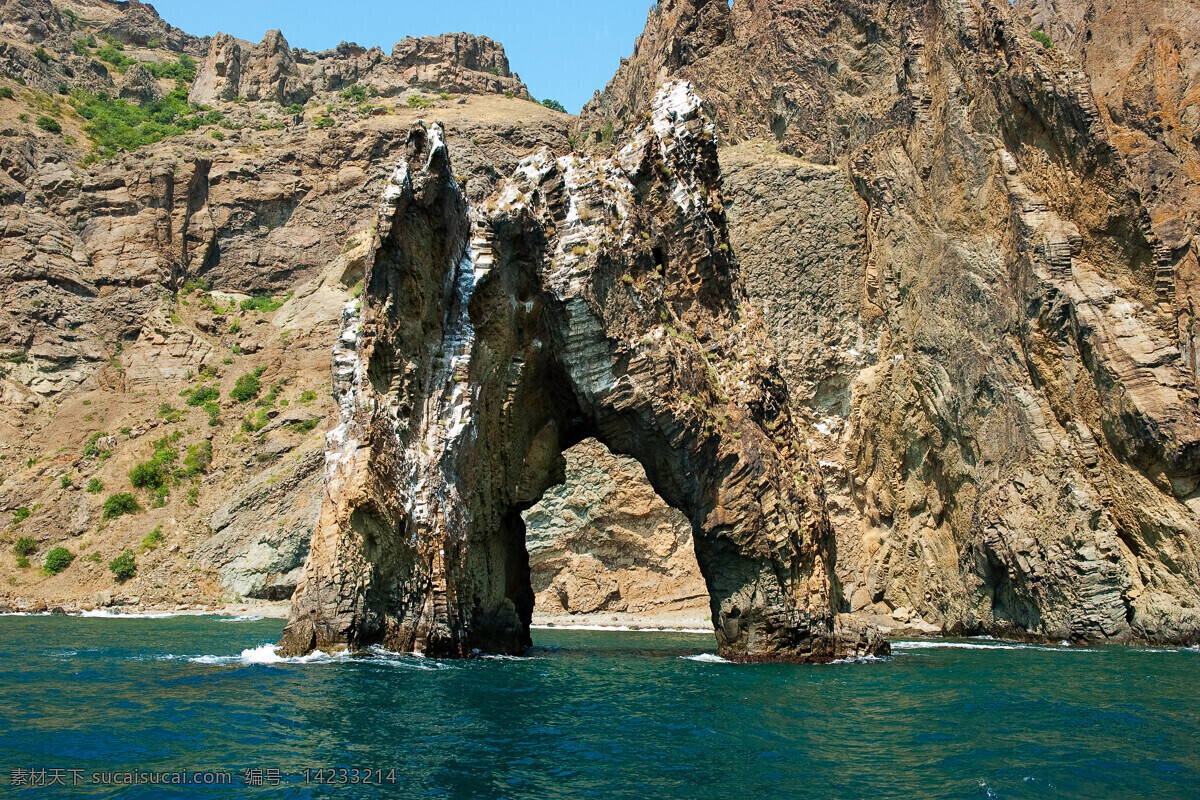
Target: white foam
x,y
940,645
266,654
242,618
618,628
707,658
860,660
104,612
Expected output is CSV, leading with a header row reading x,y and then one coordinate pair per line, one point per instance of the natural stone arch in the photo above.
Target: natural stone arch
x,y
595,298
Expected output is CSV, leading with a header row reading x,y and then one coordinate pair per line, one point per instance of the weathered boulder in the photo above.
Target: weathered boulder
x,y
594,298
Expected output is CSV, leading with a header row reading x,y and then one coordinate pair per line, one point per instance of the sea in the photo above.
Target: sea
x,y
202,707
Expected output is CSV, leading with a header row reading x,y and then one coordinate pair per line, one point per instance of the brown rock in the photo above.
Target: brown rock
x,y
558,320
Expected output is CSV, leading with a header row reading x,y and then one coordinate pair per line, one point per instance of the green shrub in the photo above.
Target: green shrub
x,y
323,122
120,504
554,105
199,458
58,559
169,413
6,92
49,124
64,481
194,285
220,137
295,108
113,56
115,125
246,388
95,486
25,546
205,394
355,93
304,426
419,101
307,396
92,448
264,304
214,413
123,567
1042,38
255,421
40,54
20,515
153,539
23,562
272,396
182,70
148,475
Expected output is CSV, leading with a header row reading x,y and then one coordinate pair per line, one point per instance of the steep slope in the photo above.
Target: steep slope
x,y
1017,453
152,264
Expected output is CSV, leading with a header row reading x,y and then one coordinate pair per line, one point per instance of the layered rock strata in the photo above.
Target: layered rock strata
x,y
1018,446
594,297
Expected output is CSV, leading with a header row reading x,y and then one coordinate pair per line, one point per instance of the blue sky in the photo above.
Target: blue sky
x,y
563,49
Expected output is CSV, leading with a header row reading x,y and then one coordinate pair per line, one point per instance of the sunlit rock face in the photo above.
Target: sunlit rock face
x,y
588,298
1012,445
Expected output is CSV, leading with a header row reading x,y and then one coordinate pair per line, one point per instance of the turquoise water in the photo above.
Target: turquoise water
x,y
592,714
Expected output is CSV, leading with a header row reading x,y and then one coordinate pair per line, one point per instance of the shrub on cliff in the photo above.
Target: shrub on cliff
x,y
1042,38
153,539
247,387
95,486
148,475
554,105
205,394
120,504
264,303
58,559
25,546
115,125
115,57
124,566
182,70
198,459
49,124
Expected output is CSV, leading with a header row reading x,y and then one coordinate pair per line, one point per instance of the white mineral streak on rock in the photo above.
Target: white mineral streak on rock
x,y
348,375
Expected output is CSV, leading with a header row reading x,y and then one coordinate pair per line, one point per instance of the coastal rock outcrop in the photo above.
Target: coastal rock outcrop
x,y
595,297
1014,448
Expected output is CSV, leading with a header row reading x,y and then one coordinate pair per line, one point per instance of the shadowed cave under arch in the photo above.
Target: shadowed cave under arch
x,y
594,298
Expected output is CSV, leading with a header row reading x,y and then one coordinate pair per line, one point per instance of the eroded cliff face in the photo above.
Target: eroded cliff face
x,y
124,279
596,297
1017,449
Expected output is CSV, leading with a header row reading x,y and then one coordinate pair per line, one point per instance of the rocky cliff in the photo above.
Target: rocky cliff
x,y
592,297
962,232
1008,412
154,252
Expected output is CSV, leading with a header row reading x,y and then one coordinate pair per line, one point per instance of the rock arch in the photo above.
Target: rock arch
x,y
592,297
